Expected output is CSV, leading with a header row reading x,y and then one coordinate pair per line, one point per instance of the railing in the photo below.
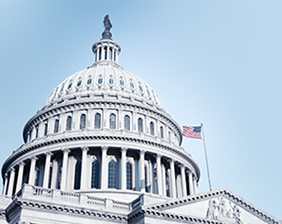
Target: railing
x,y
95,201
40,191
29,191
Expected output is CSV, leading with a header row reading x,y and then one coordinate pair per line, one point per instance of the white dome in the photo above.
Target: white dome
x,y
104,78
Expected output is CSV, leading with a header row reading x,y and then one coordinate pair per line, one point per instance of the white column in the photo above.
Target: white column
x,y
159,174
116,56
5,184
123,168
172,174
103,53
183,180
31,178
11,181
83,183
142,171
191,187
54,174
51,122
97,54
163,180
64,168
20,176
33,133
108,53
47,169
104,169
195,185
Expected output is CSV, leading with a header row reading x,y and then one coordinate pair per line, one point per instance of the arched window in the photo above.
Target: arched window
x,y
46,128
169,136
127,123
82,121
128,176
97,124
152,128
69,123
95,174
140,125
56,126
36,134
112,121
162,131
112,174
77,175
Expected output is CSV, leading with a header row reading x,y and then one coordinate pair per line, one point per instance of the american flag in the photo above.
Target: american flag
x,y
192,132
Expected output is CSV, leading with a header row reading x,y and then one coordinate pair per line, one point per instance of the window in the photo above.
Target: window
x,y
111,81
46,128
152,128
77,175
62,89
112,174
128,176
112,121
56,126
89,81
36,133
121,82
140,87
69,123
132,85
78,83
162,131
169,136
70,85
97,124
95,174
82,121
100,80
140,125
127,122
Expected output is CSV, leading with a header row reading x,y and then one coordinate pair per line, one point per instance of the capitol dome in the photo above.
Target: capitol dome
x,y
103,132
104,78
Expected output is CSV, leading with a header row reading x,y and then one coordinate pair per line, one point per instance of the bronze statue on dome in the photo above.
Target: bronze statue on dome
x,y
107,25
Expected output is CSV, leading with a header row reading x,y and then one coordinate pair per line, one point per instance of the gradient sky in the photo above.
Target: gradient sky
x,y
211,62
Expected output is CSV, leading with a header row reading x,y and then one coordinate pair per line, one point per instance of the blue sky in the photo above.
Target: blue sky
x,y
211,62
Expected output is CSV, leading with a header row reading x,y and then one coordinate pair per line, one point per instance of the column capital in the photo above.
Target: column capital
x,y
142,152
6,176
33,158
65,150
12,169
84,148
123,149
171,160
48,153
159,156
21,163
104,147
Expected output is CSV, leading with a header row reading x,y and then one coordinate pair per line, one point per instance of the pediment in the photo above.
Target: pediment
x,y
220,205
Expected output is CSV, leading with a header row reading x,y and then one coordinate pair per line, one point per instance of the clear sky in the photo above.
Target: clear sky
x,y
211,62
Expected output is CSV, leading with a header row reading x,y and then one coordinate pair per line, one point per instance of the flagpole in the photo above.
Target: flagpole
x,y
204,142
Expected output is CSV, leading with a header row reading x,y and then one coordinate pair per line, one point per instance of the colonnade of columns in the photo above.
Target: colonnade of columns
x,y
176,182
106,52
